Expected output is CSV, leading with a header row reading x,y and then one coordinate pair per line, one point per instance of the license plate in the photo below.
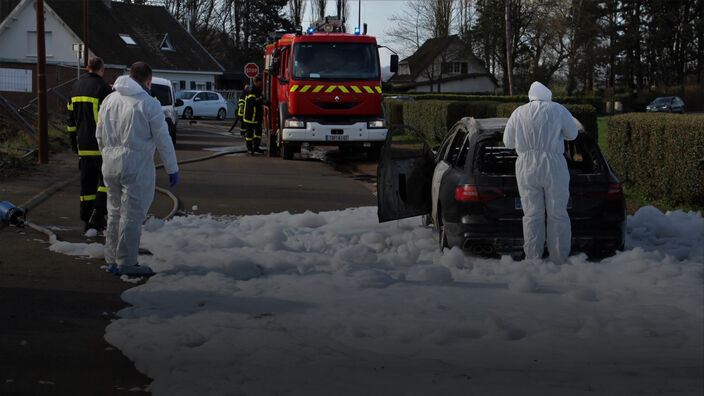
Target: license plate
x,y
520,207
336,138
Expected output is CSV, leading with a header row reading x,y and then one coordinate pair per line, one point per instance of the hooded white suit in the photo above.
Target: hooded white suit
x,y
537,131
131,125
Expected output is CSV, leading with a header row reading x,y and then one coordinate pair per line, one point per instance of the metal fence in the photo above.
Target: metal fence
x,y
232,96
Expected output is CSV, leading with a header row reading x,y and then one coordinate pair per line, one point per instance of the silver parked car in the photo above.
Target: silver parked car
x,y
202,104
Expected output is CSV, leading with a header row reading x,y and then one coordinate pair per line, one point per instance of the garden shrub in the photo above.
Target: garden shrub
x,y
660,154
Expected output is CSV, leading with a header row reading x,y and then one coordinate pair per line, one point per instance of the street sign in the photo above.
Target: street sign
x,y
251,70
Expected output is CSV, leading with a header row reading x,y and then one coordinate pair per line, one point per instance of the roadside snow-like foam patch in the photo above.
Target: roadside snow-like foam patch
x,y
299,304
679,234
90,250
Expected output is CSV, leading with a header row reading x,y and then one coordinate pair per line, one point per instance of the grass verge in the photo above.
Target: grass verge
x,y
16,142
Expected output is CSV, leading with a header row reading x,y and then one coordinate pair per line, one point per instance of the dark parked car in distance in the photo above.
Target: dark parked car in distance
x,y
667,104
468,189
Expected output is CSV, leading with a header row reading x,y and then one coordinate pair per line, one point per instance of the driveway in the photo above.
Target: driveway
x,y
55,308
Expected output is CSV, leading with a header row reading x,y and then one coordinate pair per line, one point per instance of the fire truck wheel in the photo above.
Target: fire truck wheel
x,y
287,150
273,146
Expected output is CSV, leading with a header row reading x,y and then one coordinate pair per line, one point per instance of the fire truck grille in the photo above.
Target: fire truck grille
x,y
336,106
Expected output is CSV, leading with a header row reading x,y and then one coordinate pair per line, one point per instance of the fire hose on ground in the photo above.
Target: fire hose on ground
x,y
17,215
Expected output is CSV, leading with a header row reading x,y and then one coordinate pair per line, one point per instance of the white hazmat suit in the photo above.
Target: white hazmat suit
x,y
131,125
537,130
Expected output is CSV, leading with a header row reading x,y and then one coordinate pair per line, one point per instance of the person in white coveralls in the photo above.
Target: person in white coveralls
x,y
537,130
131,125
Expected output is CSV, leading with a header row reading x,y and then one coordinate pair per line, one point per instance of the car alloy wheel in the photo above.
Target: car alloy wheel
x,y
188,113
221,114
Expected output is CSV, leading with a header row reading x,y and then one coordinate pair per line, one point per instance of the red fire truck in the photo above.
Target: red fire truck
x,y
323,87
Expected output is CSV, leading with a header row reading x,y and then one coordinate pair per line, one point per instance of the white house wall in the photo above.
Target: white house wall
x,y
13,40
176,77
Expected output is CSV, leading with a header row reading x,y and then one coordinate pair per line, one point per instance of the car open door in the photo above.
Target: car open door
x,y
404,174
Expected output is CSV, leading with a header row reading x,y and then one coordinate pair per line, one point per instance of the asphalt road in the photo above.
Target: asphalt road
x,y
54,308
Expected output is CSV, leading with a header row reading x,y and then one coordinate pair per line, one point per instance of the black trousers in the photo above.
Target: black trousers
x,y
254,136
93,192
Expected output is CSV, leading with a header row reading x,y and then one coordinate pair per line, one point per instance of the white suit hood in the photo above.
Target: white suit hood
x,y
127,86
539,91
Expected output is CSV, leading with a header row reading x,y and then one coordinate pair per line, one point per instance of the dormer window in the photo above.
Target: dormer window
x,y
166,44
127,39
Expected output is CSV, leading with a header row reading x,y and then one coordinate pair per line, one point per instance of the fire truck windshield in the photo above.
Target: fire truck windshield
x,y
326,61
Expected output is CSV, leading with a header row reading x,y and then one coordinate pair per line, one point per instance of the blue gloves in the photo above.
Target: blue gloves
x,y
173,179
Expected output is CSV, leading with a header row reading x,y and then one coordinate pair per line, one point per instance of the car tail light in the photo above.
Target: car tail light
x,y
469,193
615,192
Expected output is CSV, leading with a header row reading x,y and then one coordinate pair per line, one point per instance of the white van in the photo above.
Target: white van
x,y
164,92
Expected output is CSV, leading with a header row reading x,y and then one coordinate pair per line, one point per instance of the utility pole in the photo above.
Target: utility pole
x,y
41,86
85,33
508,46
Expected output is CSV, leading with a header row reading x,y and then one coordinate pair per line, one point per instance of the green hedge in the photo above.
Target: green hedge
x,y
429,116
586,114
660,154
434,117
394,111
595,101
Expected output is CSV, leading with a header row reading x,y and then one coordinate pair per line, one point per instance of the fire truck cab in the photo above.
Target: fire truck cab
x,y
323,87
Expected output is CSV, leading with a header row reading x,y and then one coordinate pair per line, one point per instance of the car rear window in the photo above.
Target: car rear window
x,y
493,158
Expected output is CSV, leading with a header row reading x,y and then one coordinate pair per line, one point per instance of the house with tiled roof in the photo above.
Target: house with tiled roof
x,y
120,33
444,64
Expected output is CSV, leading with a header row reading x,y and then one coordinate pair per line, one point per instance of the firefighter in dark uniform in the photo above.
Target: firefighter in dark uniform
x,y
240,113
86,97
253,116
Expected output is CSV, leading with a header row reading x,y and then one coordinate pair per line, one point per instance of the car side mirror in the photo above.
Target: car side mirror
x,y
196,99
393,67
179,102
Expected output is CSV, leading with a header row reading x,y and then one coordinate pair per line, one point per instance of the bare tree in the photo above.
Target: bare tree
x,y
507,16
296,9
465,18
318,8
419,21
441,12
342,11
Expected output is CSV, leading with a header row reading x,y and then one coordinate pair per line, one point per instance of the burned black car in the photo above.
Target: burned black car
x,y
467,188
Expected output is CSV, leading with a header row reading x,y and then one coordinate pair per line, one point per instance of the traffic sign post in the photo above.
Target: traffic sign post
x,y
251,70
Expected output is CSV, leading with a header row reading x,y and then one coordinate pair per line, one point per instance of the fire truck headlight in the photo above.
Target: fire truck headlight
x,y
294,124
376,124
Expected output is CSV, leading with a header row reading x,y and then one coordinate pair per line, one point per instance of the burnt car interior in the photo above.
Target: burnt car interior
x,y
495,159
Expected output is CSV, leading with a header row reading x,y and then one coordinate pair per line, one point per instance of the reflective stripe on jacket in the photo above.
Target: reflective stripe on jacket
x,y
240,106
